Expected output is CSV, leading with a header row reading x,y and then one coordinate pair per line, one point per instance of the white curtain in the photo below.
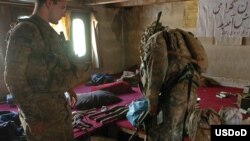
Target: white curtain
x,y
96,51
224,18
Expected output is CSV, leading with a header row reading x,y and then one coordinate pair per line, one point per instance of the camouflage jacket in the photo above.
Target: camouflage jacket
x,y
36,60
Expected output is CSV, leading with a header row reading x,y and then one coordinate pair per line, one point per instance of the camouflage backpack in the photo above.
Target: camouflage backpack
x,y
192,49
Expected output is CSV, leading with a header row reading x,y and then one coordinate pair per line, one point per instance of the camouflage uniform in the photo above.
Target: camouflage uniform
x,y
163,55
37,74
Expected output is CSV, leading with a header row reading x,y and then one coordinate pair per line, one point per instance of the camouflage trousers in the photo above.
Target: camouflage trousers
x,y
173,108
46,117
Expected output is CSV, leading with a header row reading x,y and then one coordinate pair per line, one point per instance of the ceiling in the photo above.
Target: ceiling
x,y
21,1
126,3
18,2
117,3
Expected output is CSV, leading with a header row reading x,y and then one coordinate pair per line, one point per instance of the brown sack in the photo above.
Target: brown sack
x,y
196,49
182,46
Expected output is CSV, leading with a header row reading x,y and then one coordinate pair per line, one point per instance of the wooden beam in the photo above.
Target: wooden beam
x,y
28,3
144,2
99,2
18,3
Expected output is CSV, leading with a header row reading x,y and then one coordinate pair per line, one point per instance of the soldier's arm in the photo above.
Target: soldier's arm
x,y
21,41
73,97
157,67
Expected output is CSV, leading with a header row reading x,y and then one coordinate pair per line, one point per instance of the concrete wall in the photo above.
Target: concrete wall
x,y
110,23
138,18
229,61
120,31
229,64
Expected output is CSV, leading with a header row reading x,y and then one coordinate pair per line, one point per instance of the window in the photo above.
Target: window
x,y
79,38
80,34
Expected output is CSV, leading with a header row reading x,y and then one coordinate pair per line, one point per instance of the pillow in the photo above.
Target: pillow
x,y
119,87
95,99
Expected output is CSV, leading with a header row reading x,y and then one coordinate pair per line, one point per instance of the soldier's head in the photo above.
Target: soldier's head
x,y
50,10
41,2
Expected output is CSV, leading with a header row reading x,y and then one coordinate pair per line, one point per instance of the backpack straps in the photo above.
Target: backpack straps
x,y
189,76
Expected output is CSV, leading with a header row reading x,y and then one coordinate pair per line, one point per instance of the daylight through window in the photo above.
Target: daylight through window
x,y
79,40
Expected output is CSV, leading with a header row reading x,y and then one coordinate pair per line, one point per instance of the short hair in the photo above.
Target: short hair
x,y
41,2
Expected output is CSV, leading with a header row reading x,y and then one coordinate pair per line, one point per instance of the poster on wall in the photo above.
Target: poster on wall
x,y
224,18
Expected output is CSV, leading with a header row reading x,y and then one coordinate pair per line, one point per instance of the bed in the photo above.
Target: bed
x,y
126,98
207,97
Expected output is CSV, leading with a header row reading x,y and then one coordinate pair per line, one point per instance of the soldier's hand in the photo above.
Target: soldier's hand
x,y
73,97
152,104
153,109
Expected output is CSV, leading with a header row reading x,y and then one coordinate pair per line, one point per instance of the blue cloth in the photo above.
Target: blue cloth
x,y
10,126
6,116
97,79
135,110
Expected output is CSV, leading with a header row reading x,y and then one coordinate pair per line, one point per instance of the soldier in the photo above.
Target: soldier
x,y
38,72
172,61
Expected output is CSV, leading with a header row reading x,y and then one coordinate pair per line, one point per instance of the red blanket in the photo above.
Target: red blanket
x,y
206,94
